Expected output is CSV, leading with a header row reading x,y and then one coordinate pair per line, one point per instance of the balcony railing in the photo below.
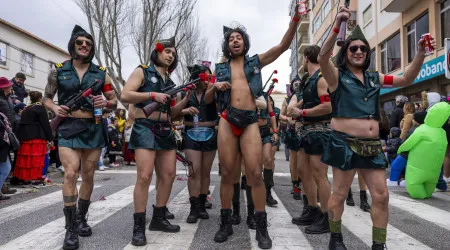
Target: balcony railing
x,y
398,6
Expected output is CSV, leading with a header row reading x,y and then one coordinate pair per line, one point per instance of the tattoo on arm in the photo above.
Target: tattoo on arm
x,y
70,199
52,85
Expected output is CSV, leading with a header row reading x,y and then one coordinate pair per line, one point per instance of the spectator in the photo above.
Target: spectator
x,y
5,163
114,146
128,156
18,108
121,118
407,121
33,133
19,87
393,144
397,114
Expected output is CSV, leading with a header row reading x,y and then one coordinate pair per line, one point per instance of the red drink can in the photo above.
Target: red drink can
x,y
427,44
302,8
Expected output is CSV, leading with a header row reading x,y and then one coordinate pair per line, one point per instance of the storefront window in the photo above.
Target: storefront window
x,y
445,20
391,54
414,31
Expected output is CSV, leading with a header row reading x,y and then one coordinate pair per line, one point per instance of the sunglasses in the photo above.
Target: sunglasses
x,y
354,48
80,42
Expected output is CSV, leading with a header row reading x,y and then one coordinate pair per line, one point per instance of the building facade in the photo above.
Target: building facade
x,y
393,28
21,51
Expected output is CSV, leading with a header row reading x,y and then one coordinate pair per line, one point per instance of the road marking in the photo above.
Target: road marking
x,y
360,224
51,235
421,210
441,195
20,209
284,234
180,207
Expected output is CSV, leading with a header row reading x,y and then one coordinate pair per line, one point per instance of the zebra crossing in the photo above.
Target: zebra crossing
x,y
413,224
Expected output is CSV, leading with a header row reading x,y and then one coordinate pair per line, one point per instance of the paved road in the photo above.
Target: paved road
x,y
33,219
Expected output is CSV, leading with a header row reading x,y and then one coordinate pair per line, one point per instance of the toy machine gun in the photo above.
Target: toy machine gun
x,y
342,30
150,108
187,164
74,102
274,72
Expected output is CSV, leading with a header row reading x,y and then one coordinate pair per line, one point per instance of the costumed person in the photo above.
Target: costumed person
x,y
115,143
34,133
80,136
128,155
426,146
315,110
239,83
152,137
199,141
275,144
354,142
292,140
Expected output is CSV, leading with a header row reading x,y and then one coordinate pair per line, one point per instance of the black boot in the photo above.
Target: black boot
x,y
349,201
378,246
193,214
71,238
139,238
84,229
243,182
268,182
305,203
308,217
270,201
236,217
336,242
363,199
262,235
160,223
320,225
202,207
251,217
226,228
297,193
168,214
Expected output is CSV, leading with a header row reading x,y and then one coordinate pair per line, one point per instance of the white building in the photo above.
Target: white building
x,y
21,51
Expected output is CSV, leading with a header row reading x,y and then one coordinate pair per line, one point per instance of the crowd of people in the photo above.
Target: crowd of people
x,y
330,117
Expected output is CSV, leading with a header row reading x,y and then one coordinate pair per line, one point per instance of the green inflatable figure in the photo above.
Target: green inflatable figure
x,y
426,146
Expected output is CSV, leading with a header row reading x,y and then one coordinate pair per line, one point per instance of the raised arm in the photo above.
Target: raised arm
x,y
329,71
273,53
411,73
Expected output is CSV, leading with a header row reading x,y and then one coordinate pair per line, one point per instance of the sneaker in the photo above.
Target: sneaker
x,y
403,183
60,168
101,168
391,183
114,165
447,179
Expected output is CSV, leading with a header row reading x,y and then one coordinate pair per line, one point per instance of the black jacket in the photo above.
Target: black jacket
x,y
34,124
19,90
396,116
7,108
4,147
393,143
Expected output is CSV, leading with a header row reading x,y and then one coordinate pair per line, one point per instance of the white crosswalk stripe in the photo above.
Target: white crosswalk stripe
x,y
51,235
180,207
23,208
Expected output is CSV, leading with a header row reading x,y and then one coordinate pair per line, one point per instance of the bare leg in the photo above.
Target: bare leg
x,y
145,163
207,161
376,182
166,164
342,180
362,183
293,165
320,173
194,180
88,166
306,173
447,163
70,159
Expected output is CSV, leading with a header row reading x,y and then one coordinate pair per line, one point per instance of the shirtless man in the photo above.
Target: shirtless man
x,y
238,84
354,93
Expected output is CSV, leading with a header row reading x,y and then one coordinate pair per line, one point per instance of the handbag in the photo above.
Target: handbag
x,y
14,143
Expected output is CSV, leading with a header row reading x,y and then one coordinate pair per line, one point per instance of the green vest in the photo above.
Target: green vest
x,y
352,99
252,70
69,84
153,82
311,98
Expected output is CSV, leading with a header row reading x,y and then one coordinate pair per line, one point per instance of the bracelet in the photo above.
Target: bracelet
x,y
296,19
336,30
304,112
275,131
152,96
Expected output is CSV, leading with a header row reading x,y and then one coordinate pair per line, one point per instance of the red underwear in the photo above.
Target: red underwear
x,y
236,130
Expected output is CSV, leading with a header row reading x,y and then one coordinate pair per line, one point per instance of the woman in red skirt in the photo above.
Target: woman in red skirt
x,y
34,133
128,155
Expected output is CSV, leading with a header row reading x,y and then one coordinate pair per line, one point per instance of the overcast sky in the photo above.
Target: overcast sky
x,y
266,22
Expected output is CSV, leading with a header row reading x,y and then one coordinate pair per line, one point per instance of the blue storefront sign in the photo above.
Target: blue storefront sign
x,y
430,69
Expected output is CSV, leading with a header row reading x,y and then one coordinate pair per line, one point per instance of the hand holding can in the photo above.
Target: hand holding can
x,y
428,44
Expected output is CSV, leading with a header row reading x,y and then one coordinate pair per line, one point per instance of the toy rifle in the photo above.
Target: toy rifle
x,y
274,72
272,86
74,102
342,30
150,108
185,162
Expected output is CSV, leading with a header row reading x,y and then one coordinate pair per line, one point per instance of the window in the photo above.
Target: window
x,y
373,62
414,31
391,54
445,20
3,55
367,15
325,9
317,23
26,63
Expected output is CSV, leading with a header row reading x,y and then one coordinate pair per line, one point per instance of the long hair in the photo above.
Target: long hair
x,y
154,60
73,53
225,44
341,58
